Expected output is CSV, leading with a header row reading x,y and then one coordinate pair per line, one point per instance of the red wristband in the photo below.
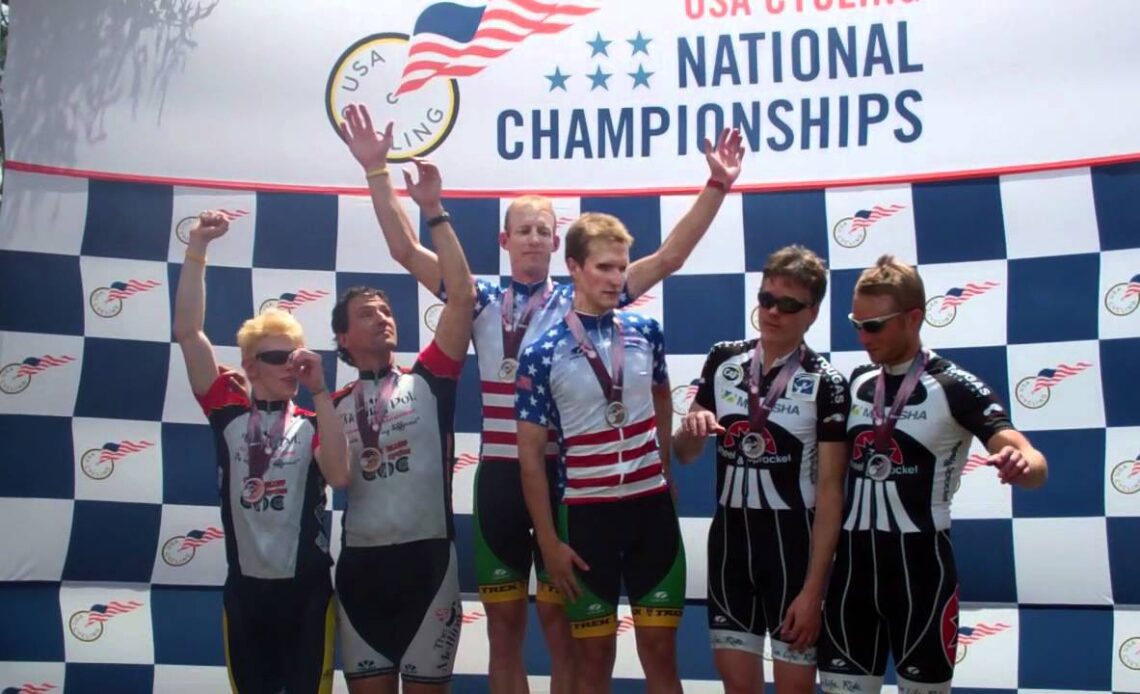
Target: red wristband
x,y
714,183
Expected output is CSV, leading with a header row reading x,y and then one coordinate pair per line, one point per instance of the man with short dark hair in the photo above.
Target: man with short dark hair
x,y
779,412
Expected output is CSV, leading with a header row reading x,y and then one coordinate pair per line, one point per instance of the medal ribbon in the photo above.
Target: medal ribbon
x,y
513,332
611,386
369,427
885,424
262,451
759,410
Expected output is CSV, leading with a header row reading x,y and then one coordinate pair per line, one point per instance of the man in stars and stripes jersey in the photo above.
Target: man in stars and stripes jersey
x,y
505,319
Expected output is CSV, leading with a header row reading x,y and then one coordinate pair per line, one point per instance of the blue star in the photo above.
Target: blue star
x,y
599,45
599,79
640,77
557,80
640,44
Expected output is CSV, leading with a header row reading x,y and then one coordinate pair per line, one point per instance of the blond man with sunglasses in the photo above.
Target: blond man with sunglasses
x,y
913,413
779,412
274,460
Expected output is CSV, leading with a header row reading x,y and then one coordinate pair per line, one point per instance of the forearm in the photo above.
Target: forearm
x,y
333,458
457,280
824,538
663,411
190,297
536,493
679,245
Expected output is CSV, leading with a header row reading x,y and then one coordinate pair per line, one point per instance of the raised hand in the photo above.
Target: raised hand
x,y
210,225
1010,464
306,366
724,158
701,423
369,148
426,191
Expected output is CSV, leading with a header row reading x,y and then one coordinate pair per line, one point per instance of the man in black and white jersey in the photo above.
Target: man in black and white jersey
x,y
397,579
273,462
779,413
913,413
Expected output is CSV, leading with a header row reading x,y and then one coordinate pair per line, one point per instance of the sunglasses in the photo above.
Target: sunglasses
x,y
872,325
276,357
784,304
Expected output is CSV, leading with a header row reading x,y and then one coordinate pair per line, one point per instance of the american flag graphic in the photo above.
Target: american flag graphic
x,y
114,451
472,617
625,624
465,460
960,295
969,635
30,688
1133,287
231,215
101,613
865,218
562,220
974,462
452,40
275,487
1135,467
197,538
123,290
289,301
1047,378
34,365
639,301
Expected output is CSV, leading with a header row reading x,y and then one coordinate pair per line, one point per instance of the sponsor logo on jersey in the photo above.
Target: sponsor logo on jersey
x,y
264,495
732,373
863,448
804,386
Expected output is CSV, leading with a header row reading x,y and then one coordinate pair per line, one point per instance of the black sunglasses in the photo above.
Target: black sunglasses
x,y
873,325
276,357
784,304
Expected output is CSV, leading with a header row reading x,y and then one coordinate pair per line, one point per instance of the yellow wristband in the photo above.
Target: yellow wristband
x,y
378,171
195,256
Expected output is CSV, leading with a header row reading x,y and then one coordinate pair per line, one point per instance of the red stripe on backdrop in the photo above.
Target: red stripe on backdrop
x,y
263,186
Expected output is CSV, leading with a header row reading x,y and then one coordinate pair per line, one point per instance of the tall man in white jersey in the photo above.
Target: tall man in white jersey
x,y
505,319
894,587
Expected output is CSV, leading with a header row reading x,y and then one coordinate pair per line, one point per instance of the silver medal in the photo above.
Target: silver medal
x,y
616,414
879,467
507,369
370,459
752,445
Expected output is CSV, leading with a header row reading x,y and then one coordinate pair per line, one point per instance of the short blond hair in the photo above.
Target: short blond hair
x,y
891,277
269,324
594,226
539,201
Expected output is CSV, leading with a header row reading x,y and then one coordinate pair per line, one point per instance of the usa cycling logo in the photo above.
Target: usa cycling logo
x,y
943,309
413,80
968,636
291,301
683,396
1129,653
1122,298
87,625
183,226
851,232
99,463
1033,391
107,302
262,495
29,688
1126,476
180,549
16,377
